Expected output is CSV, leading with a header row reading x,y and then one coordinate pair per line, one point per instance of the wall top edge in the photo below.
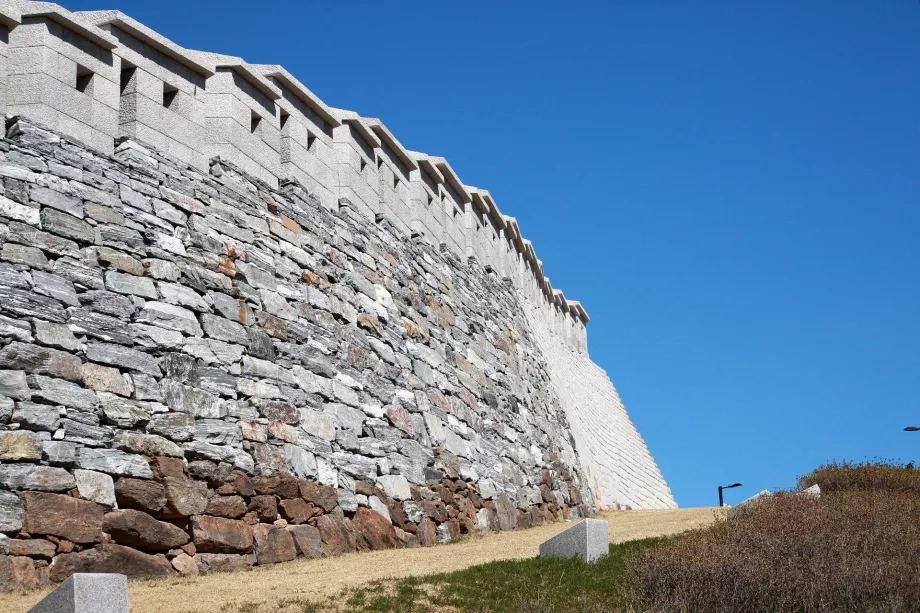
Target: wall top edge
x,y
10,14
354,120
146,35
300,90
386,136
218,60
69,20
425,162
452,178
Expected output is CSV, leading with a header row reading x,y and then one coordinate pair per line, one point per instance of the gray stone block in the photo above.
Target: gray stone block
x,y
588,539
87,593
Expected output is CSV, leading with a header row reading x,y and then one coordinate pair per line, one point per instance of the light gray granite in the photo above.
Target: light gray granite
x,y
588,539
87,593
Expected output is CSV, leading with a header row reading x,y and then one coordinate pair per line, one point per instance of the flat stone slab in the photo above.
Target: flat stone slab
x,y
588,539
87,593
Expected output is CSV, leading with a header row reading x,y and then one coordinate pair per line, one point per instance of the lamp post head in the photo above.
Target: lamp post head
x,y
911,429
726,487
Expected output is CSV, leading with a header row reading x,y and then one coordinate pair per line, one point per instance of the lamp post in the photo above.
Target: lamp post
x,y
726,487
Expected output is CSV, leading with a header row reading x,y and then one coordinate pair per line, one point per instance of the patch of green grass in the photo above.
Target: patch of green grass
x,y
538,585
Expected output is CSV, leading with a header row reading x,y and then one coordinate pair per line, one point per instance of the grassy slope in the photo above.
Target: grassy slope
x,y
290,587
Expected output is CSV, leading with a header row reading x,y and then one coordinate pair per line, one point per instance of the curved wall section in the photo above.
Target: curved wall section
x,y
618,467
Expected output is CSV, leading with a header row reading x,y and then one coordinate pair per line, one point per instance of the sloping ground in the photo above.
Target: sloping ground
x,y
315,579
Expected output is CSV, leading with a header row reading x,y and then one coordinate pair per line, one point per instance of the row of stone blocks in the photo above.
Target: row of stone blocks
x,y
108,593
99,76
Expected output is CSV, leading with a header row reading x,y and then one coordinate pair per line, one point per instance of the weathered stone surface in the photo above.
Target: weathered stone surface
x,y
105,379
232,507
40,360
184,497
13,385
69,518
174,426
56,335
32,477
34,548
297,511
110,558
395,486
138,529
374,530
321,496
307,541
66,393
143,495
223,562
146,444
169,316
427,533
273,544
337,535
507,513
299,462
113,462
122,357
18,573
185,565
18,445
220,535
95,486
11,513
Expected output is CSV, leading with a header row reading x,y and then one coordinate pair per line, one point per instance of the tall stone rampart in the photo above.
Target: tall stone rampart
x,y
238,325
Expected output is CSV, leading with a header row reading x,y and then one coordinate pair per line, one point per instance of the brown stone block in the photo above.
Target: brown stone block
x,y
307,540
298,511
110,559
141,494
265,507
373,531
137,529
273,544
337,535
73,519
184,497
18,573
427,532
219,535
232,507
321,496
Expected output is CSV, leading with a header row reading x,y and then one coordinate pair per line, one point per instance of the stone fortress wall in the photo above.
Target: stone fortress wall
x,y
238,325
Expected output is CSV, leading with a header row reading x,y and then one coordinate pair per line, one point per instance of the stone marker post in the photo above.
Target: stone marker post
x,y
588,539
87,593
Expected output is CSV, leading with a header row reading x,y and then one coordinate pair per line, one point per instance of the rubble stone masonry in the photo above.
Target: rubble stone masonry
x,y
213,358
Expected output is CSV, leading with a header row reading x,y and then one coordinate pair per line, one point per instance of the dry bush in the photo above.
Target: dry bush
x,y
848,551
878,475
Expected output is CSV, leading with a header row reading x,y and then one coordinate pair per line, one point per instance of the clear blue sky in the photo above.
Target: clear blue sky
x,y
732,191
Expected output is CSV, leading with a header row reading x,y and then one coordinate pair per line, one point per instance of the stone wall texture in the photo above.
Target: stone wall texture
x,y
212,358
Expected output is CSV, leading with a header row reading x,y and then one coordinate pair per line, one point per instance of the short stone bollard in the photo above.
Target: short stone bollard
x,y
87,593
588,539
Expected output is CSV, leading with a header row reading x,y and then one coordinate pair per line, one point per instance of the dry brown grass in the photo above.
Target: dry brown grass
x,y
849,551
877,475
291,586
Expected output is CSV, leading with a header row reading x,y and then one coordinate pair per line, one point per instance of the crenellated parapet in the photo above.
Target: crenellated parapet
x,y
100,75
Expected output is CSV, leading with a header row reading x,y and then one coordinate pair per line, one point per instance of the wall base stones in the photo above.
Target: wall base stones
x,y
202,373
